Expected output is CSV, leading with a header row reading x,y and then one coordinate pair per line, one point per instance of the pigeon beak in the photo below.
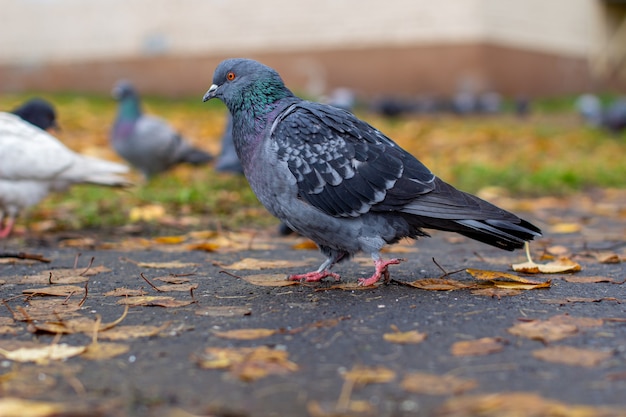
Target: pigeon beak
x,y
210,93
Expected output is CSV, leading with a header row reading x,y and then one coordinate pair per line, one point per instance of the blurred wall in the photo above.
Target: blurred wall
x,y
394,46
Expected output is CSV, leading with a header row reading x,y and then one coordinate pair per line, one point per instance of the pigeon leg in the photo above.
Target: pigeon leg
x,y
8,226
381,271
322,272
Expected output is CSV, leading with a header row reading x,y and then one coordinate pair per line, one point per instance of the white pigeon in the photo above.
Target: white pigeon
x,y
33,163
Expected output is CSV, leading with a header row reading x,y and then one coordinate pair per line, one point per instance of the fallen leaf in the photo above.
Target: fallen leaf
x,y
269,280
305,245
255,264
245,334
43,354
580,300
497,292
102,351
431,384
132,332
171,279
223,311
55,290
564,228
364,375
17,407
590,280
543,331
478,347
166,265
125,292
46,309
561,265
204,246
248,364
608,258
146,213
410,337
169,240
154,301
569,355
177,287
438,284
353,408
512,404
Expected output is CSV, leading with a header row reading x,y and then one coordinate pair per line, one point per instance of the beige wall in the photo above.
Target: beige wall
x,y
40,31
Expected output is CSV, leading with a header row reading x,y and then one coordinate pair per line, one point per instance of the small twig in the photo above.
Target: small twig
x,y
88,266
149,283
445,273
230,274
80,304
76,260
50,278
23,255
191,294
68,298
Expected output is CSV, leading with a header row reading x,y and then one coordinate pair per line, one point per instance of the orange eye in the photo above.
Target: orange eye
x,y
230,76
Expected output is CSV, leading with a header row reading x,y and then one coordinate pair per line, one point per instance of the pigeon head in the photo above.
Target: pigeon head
x,y
243,84
38,112
129,107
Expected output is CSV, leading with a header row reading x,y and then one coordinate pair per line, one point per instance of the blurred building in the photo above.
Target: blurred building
x,y
530,47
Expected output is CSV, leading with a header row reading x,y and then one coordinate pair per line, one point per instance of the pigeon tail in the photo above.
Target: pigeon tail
x,y
196,157
499,233
91,170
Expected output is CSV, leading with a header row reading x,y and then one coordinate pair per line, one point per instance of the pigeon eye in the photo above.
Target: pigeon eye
x,y
230,76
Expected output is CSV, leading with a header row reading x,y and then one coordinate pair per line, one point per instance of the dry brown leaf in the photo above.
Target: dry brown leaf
x,y
18,407
590,280
204,246
169,240
564,228
223,311
431,384
438,284
154,301
47,309
125,292
177,287
63,275
102,351
255,264
561,265
269,280
43,354
245,334
166,265
478,347
576,321
543,331
497,292
410,337
248,364
353,408
364,375
55,290
171,279
569,355
608,258
132,332
510,404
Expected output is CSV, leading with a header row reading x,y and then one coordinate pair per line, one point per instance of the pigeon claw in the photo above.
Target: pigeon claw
x,y
314,276
381,272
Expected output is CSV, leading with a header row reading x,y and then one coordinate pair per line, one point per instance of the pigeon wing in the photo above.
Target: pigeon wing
x,y
342,165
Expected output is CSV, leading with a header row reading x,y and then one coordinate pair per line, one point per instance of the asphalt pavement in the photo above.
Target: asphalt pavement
x,y
318,349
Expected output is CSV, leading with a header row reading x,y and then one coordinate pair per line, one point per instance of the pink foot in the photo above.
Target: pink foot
x,y
314,276
6,231
381,271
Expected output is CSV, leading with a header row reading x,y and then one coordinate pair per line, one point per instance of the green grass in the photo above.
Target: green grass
x,y
549,153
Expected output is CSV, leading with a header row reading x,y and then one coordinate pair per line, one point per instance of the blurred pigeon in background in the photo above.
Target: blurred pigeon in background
x,y
612,118
148,143
340,182
38,112
228,161
33,163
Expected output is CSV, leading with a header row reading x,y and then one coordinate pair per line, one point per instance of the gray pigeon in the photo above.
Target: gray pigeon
x,y
38,112
339,181
148,143
33,163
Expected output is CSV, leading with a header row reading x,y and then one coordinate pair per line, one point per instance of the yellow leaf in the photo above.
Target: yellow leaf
x,y
154,301
305,245
561,265
269,280
544,331
438,284
164,265
132,332
223,311
563,228
102,351
205,246
363,375
17,407
569,355
430,384
170,240
146,213
245,334
483,346
248,364
410,337
251,263
43,354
